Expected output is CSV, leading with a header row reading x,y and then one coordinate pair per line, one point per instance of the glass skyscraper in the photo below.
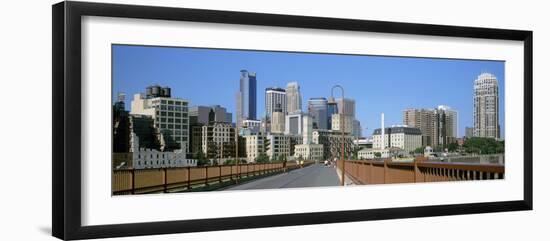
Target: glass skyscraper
x,y
318,110
247,96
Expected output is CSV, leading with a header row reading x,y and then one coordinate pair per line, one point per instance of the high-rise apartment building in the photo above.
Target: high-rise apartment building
x,y
439,126
486,106
468,132
293,98
426,121
448,124
169,114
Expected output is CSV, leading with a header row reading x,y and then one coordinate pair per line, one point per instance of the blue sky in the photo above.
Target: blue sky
x,y
377,83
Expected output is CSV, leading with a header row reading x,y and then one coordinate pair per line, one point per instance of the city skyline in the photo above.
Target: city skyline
x,y
377,83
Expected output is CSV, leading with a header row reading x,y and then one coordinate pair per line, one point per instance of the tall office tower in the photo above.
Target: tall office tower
x,y
448,124
486,107
246,97
278,120
169,114
347,105
332,108
357,131
317,109
274,98
293,98
307,129
239,121
425,120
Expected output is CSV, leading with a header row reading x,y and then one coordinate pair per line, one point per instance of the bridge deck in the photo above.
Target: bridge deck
x,y
316,175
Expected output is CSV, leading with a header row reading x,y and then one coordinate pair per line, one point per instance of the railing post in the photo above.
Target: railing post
x,y
220,174
165,180
415,172
230,173
188,177
133,180
206,174
385,171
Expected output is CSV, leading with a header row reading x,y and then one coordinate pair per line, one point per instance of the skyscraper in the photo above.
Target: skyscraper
x,y
346,105
317,109
486,107
293,98
246,97
275,98
278,120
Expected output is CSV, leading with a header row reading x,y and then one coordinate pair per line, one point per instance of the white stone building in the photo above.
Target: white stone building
x,y
406,138
309,152
144,158
252,125
370,153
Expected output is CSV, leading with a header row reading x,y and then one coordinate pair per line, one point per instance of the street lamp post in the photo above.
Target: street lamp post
x,y
342,126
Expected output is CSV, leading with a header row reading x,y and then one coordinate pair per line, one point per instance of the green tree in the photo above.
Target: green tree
x,y
201,159
262,158
419,150
480,145
452,147
377,154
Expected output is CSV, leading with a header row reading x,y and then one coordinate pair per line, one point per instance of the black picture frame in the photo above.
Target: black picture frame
x,y
66,158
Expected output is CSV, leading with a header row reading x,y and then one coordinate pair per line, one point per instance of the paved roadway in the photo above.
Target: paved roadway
x,y
316,175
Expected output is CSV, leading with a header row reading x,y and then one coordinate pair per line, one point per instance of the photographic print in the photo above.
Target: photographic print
x,y
167,106
201,119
